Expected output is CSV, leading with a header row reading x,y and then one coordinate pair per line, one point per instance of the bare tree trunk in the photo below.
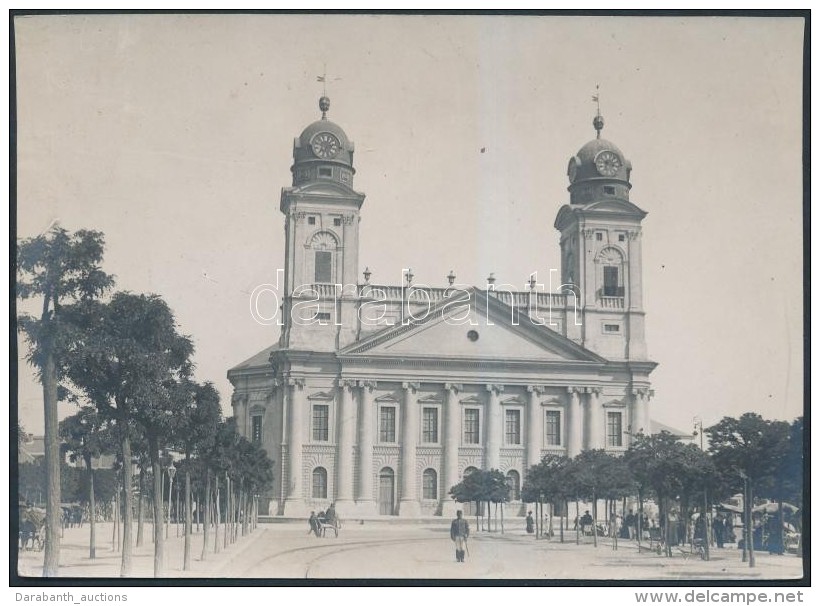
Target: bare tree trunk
x,y
594,519
114,543
51,561
187,553
140,508
206,523
159,539
92,543
216,506
227,512
125,441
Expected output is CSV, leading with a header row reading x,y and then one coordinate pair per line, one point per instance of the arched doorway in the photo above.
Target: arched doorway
x,y
387,491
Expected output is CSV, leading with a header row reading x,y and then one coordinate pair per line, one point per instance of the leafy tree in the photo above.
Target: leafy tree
x,y
754,449
549,478
199,413
597,475
482,486
58,268
656,465
87,436
127,364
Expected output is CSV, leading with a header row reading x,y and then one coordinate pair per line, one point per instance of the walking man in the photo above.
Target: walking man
x,y
459,531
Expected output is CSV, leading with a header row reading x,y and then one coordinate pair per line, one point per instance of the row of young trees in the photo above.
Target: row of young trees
x,y
748,454
123,359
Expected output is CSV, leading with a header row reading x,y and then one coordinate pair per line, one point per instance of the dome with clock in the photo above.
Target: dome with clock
x,y
598,170
323,152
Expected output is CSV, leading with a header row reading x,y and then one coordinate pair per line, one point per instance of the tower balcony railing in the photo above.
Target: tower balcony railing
x,y
612,302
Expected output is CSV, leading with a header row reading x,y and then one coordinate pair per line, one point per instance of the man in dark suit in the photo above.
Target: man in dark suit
x,y
459,531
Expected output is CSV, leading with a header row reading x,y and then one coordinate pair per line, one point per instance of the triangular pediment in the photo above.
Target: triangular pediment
x,y
474,328
321,395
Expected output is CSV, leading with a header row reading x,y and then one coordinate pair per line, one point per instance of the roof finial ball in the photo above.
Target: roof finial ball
x,y
324,105
598,123
598,120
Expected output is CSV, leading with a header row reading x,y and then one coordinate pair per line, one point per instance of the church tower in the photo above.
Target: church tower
x,y
601,250
321,211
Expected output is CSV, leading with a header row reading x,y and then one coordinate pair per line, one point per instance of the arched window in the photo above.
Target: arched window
x,y
319,490
612,277
514,482
429,483
468,471
323,247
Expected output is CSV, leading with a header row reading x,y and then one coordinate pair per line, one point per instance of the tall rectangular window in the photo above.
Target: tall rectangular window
x,y
552,426
324,260
513,426
471,428
387,424
256,429
614,429
321,416
429,425
611,281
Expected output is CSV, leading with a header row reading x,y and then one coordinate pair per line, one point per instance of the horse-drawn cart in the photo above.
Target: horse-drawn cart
x,y
329,524
32,529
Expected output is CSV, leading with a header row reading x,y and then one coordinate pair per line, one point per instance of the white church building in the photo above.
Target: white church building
x,y
379,398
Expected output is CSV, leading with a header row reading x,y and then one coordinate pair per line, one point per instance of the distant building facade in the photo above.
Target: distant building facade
x,y
381,397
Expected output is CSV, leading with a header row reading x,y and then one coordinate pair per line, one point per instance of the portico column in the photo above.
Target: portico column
x,y
647,418
346,436
573,423
640,412
596,420
534,426
296,404
366,414
492,457
452,423
409,505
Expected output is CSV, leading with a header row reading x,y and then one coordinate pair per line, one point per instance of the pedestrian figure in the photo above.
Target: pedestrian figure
x,y
313,521
630,526
719,528
459,531
586,523
530,523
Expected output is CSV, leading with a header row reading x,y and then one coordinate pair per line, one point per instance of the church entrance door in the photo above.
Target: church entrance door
x,y
386,492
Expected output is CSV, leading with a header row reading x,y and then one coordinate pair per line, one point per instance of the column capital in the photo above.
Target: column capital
x,y
494,387
274,384
367,384
642,392
593,390
634,234
296,381
413,386
347,383
536,389
239,398
572,389
456,387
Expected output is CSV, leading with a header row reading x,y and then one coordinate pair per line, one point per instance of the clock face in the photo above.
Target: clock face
x,y
607,163
325,145
572,170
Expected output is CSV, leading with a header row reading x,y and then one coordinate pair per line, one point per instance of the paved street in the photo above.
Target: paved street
x,y
378,550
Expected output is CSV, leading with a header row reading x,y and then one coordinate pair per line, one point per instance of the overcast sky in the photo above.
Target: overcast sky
x,y
173,136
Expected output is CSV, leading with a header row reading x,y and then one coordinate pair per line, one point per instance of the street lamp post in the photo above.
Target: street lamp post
x,y
171,472
698,422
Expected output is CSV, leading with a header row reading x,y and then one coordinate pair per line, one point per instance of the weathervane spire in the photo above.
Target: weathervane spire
x,y
598,121
324,101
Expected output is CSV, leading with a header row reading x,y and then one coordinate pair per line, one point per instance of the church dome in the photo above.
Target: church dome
x,y
323,152
599,168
